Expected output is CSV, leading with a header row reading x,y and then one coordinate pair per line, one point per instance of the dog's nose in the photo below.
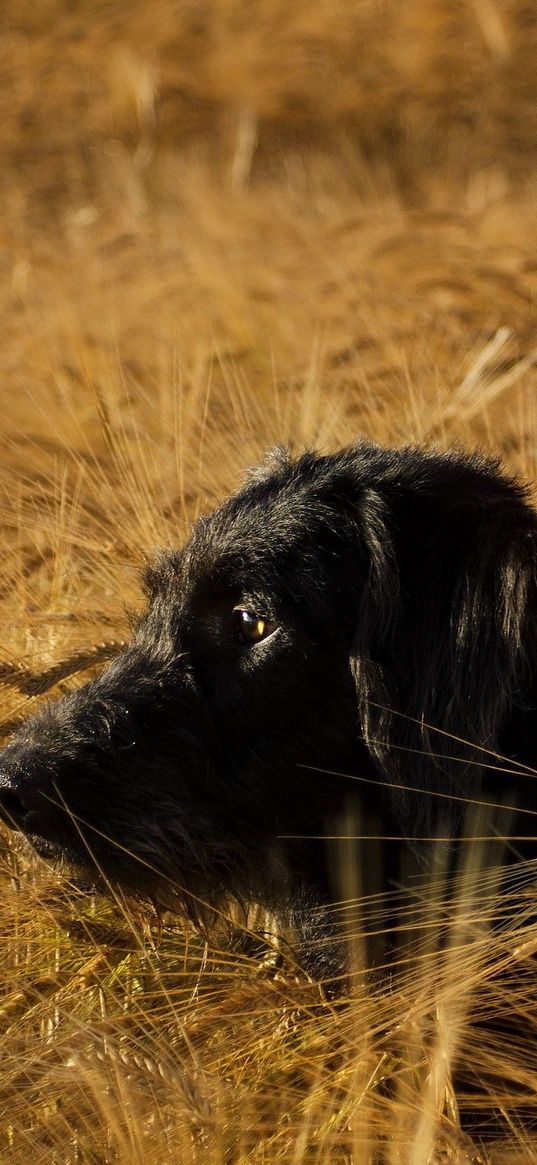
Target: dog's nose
x,y
18,791
12,806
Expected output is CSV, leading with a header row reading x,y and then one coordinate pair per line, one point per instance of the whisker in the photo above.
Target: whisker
x,y
420,790
450,735
431,840
494,768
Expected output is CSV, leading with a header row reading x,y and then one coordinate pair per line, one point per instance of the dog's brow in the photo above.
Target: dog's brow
x,y
164,567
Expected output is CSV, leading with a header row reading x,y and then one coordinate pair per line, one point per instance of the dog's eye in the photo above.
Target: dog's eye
x,y
251,627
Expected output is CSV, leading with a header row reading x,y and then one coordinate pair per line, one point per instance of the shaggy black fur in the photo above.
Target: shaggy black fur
x,y
396,596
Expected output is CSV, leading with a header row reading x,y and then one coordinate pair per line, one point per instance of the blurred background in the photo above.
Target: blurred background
x,y
245,199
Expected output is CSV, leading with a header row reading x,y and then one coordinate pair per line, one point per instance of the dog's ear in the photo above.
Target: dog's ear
x,y
445,636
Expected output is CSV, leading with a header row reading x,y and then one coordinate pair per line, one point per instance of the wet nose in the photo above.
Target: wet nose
x,y
12,808
18,793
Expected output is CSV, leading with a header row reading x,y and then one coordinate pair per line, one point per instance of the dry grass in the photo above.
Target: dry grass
x,y
226,224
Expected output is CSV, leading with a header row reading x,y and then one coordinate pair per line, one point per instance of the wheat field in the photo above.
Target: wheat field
x,y
226,224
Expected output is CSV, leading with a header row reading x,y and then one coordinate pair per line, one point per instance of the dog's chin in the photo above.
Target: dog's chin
x,y
45,849
82,873
64,855
97,878
52,851
103,875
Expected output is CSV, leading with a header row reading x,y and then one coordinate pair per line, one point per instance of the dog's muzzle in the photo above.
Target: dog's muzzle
x,y
24,793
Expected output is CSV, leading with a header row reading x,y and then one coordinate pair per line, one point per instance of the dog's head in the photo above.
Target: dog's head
x,y
359,619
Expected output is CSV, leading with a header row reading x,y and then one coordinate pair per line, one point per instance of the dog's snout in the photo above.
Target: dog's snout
x,y
12,808
20,793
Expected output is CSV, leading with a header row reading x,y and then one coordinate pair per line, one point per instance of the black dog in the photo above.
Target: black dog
x,y
354,630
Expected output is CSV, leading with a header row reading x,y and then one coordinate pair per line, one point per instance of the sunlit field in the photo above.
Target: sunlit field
x,y
226,225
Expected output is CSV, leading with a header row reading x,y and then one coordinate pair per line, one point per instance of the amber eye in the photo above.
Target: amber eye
x,y
251,627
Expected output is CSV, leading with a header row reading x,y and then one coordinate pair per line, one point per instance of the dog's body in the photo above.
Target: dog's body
x,y
349,637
